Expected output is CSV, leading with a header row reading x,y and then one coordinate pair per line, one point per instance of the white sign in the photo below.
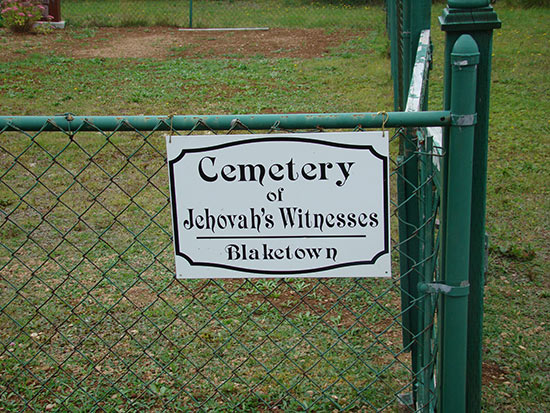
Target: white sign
x,y
293,205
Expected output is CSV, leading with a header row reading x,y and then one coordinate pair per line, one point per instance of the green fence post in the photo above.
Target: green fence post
x,y
420,16
190,14
456,200
416,17
420,12
478,19
393,13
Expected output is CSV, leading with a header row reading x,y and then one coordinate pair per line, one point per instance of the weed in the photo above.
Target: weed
x,y
85,33
181,49
520,253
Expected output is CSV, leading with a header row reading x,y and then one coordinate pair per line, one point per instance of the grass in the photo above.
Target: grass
x,y
100,86
176,343
518,215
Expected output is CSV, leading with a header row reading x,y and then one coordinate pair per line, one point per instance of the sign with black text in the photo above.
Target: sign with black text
x,y
292,205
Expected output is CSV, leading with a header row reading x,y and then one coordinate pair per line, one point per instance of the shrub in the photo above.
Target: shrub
x,y
21,15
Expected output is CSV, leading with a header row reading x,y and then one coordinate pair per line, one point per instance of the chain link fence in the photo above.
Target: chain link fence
x,y
92,318
217,13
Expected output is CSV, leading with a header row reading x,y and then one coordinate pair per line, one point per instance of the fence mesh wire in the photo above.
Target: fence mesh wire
x,y
216,13
92,318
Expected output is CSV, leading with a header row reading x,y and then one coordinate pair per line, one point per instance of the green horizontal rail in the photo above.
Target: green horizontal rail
x,y
224,122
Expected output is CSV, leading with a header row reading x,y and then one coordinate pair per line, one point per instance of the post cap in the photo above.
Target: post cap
x,y
458,18
465,51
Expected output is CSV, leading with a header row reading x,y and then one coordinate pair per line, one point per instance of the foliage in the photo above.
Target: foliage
x,y
20,16
527,3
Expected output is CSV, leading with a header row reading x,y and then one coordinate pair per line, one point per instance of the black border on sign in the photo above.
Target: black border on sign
x,y
179,253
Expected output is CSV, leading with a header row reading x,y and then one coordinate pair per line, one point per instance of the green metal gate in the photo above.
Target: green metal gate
x,y
92,318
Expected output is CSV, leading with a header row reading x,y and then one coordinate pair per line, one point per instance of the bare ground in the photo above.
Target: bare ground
x,y
168,42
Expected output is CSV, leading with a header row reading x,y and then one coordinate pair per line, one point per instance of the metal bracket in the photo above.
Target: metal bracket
x,y
464,120
440,288
465,60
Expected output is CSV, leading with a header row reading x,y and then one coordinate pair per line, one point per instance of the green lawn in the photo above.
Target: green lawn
x,y
351,77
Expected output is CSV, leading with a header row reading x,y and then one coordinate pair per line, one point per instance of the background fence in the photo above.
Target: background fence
x,y
215,13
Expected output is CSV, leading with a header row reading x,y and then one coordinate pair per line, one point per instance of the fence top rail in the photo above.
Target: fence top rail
x,y
72,123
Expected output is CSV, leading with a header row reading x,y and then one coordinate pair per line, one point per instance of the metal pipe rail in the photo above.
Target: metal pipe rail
x,y
70,122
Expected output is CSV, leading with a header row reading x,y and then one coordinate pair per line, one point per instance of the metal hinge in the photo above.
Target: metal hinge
x,y
440,288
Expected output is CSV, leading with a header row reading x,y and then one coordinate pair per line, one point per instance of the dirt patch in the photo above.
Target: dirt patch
x,y
492,373
167,42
